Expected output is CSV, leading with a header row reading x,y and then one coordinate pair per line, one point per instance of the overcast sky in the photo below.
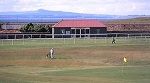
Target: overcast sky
x,y
113,7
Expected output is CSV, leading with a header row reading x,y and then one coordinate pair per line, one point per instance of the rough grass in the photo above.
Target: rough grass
x,y
91,62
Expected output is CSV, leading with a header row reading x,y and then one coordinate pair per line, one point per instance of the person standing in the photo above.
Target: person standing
x,y
113,41
51,53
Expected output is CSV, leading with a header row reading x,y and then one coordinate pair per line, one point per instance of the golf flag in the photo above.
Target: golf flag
x,y
124,59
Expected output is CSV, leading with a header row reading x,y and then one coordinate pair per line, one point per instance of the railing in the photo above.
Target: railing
x,y
79,39
46,35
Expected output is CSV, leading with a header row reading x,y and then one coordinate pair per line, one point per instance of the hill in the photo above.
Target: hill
x,y
49,15
137,20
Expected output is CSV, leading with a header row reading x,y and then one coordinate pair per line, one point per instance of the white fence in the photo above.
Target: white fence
x,y
42,35
100,39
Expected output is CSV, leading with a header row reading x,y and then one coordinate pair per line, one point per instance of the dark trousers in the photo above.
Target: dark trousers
x,y
113,42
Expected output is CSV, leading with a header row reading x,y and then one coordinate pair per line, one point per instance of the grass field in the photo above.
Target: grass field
x,y
77,61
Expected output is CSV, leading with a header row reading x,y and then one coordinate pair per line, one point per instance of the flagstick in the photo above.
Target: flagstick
x,y
124,62
123,71
123,68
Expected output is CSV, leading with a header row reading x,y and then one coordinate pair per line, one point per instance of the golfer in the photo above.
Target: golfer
x,y
51,53
113,41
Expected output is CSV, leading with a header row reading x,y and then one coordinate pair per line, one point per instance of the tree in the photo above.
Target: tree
x,y
35,28
27,28
40,28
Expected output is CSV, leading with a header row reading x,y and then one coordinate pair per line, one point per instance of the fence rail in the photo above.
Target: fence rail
x,y
81,39
34,35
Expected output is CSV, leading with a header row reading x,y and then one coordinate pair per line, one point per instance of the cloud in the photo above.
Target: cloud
x,y
119,7
6,5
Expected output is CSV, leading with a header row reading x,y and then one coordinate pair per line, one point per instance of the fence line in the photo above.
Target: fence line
x,y
136,40
121,38
34,35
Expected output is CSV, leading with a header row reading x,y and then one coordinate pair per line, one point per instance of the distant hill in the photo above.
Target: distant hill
x,y
51,14
132,20
47,15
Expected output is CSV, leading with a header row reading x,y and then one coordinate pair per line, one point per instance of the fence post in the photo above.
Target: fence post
x,y
7,36
128,36
106,39
40,36
15,36
2,41
12,42
80,33
64,39
95,39
74,40
53,33
23,39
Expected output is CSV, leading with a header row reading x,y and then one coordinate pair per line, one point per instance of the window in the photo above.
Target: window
x,y
73,31
98,31
63,31
67,32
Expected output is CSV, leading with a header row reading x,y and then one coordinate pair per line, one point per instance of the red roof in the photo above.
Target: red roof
x,y
10,31
79,23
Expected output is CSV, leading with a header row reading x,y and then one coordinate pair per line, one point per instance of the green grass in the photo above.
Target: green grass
x,y
135,74
77,61
37,43
131,74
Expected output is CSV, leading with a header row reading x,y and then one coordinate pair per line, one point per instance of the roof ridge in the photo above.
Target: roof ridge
x,y
80,23
57,23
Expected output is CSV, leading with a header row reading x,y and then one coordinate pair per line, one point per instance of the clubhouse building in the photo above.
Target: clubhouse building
x,y
79,27
67,28
73,28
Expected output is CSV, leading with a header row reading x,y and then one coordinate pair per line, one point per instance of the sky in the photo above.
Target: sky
x,y
111,7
